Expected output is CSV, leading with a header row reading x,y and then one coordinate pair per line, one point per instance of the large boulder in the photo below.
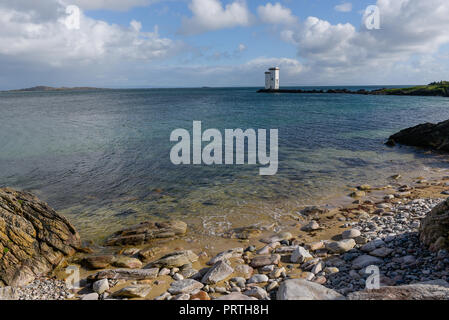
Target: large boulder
x,y
34,239
299,289
432,290
427,135
146,231
434,229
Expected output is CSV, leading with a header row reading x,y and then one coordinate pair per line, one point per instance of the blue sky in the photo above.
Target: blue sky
x,y
188,43
258,38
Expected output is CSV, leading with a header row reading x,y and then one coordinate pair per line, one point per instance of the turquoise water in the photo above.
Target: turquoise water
x,y
102,157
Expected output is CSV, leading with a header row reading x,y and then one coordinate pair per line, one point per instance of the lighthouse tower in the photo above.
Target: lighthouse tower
x,y
267,80
272,79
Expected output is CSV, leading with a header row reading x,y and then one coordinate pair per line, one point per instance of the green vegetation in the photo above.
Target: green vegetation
x,y
433,89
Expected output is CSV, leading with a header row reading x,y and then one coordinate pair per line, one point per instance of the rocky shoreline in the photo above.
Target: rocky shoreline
x,y
281,266
393,247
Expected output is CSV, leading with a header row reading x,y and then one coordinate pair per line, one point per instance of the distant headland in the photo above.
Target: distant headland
x,y
433,89
46,88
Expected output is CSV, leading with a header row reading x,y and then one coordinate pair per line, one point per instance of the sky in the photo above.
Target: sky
x,y
221,43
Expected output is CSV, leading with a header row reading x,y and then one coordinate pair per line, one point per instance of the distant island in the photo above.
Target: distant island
x,y
440,89
46,88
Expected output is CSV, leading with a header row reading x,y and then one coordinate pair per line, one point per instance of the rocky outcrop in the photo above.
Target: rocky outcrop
x,y
427,135
433,290
147,231
34,239
434,230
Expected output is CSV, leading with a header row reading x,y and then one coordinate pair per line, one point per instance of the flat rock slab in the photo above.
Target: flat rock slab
x,y
34,239
225,255
265,260
134,291
432,290
299,289
127,262
147,231
126,274
176,259
185,286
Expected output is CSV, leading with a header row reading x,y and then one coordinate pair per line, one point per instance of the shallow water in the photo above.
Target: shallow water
x,y
102,157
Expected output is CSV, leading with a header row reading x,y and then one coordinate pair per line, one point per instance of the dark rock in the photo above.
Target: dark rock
x,y
427,135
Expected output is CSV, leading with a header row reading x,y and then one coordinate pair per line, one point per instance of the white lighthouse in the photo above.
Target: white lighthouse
x,y
267,80
272,79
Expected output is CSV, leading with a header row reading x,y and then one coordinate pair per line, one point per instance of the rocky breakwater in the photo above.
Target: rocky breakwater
x,y
34,239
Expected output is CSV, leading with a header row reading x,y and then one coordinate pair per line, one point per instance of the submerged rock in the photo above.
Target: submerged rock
x,y
34,239
244,233
147,231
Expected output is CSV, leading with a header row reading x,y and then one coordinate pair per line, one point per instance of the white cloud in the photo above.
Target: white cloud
x,y
26,37
344,7
410,30
211,15
117,5
276,14
241,47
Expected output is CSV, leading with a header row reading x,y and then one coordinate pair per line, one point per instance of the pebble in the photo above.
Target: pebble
x,y
100,286
258,278
351,234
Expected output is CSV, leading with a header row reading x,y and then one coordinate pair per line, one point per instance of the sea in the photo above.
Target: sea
x,y
102,157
